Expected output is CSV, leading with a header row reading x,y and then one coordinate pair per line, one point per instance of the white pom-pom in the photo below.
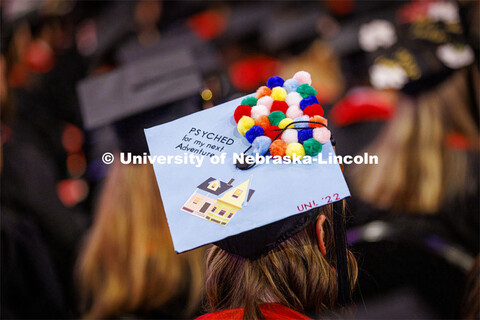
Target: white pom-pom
x,y
265,101
294,112
293,99
322,135
303,77
258,111
290,136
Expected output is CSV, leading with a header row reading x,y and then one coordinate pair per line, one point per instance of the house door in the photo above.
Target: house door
x,y
205,206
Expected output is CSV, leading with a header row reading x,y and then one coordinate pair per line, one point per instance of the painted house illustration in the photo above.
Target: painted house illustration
x,y
218,201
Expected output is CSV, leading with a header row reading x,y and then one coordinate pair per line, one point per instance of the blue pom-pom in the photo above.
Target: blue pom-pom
x,y
275,82
302,125
304,135
308,101
254,132
291,85
261,144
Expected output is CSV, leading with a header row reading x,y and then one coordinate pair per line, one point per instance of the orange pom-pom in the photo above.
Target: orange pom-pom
x,y
278,148
263,91
318,119
263,122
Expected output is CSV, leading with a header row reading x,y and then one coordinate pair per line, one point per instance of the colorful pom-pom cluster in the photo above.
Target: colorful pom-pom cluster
x,y
277,106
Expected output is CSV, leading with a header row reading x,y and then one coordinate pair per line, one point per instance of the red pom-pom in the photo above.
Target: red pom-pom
x,y
272,132
313,110
242,110
279,106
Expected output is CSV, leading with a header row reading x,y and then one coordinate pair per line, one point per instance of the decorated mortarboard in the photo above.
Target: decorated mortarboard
x,y
140,94
420,47
212,194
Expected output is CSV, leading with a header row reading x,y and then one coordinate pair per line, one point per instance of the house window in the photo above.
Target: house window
x,y
195,201
237,193
213,185
213,210
230,215
222,212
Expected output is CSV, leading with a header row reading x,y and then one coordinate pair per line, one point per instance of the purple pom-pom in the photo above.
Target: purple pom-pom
x,y
304,135
308,101
254,132
275,82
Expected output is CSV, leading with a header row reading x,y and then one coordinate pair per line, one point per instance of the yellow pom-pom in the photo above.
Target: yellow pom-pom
x,y
244,124
295,149
285,122
278,93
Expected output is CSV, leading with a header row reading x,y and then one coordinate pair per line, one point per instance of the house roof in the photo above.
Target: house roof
x,y
221,189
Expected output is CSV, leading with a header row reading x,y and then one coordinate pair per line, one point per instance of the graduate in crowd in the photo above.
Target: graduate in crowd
x,y
40,230
24,250
420,204
128,267
277,253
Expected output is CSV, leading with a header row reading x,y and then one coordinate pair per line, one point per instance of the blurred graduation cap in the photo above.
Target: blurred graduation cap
x,y
247,211
178,37
113,35
416,49
141,94
361,113
410,47
244,20
286,28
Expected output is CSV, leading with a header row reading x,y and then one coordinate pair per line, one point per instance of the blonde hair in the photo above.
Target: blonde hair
x,y
294,274
128,263
416,172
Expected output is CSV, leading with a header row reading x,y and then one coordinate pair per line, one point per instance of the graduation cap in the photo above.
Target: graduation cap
x,y
290,27
152,91
416,49
179,37
248,210
361,113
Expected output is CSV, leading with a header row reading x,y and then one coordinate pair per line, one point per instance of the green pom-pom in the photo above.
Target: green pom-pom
x,y
250,101
275,117
305,90
312,147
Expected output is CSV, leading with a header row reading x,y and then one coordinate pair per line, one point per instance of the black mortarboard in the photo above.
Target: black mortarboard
x,y
178,37
141,94
417,48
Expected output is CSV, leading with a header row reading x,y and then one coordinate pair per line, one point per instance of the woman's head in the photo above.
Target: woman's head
x,y
128,263
299,273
